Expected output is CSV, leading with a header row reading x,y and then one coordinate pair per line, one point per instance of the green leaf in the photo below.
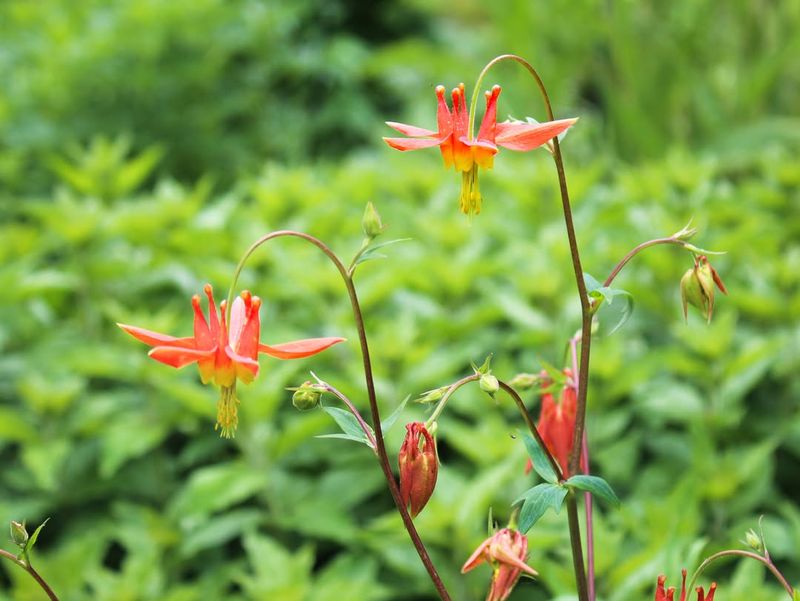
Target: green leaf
x,y
361,439
34,537
539,458
595,485
616,305
348,423
387,423
537,500
371,252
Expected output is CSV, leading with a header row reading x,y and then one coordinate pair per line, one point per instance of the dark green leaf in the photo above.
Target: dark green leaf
x,y
34,536
595,485
537,500
616,305
539,458
387,423
348,423
371,252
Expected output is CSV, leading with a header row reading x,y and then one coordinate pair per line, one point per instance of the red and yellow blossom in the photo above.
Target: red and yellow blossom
x,y
460,149
506,551
225,352
669,594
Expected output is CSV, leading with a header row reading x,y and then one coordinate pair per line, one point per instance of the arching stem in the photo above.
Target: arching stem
x,y
739,552
586,319
25,565
380,446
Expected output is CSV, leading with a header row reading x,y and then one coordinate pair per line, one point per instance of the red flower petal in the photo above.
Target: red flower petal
x,y
156,339
179,357
411,130
246,368
488,129
412,143
298,349
527,136
477,558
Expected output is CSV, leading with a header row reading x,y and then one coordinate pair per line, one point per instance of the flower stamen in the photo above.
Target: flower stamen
x,y
227,411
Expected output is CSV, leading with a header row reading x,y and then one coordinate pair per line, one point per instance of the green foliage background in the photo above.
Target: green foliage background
x,y
145,144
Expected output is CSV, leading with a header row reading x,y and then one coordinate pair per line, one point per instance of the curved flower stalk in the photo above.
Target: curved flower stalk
x,y
557,422
225,353
460,149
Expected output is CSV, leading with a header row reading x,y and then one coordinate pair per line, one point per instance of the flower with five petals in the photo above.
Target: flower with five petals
x,y
460,149
224,352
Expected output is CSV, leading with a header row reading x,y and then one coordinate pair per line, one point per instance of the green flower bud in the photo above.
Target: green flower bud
x,y
753,541
371,222
306,397
489,384
431,396
524,381
697,287
19,535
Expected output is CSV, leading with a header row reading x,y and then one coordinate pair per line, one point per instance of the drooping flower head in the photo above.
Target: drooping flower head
x,y
419,467
697,287
557,421
505,551
224,352
465,152
669,594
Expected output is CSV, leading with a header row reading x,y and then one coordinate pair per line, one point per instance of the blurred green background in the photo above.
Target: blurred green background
x,y
144,145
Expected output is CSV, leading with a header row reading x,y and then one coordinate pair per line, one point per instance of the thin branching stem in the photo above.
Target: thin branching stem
x,y
635,251
380,446
532,428
26,565
741,553
352,408
586,322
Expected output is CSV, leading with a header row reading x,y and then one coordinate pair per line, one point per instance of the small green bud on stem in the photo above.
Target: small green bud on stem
x,y
306,397
371,222
19,535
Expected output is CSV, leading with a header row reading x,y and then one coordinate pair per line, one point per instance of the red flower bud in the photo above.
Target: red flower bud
x,y
669,594
419,467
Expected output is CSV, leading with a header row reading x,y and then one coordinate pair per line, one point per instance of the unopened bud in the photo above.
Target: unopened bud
x,y
371,222
431,396
686,232
19,535
697,287
753,541
419,467
306,397
524,381
489,384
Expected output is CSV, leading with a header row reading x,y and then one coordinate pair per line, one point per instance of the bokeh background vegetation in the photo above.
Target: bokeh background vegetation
x,y
143,146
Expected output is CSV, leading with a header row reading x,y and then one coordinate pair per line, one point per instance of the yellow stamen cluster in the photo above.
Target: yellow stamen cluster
x,y
227,411
470,200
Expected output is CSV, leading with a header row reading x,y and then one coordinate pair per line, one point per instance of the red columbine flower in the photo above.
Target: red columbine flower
x,y
668,595
225,354
468,153
557,422
419,467
506,551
